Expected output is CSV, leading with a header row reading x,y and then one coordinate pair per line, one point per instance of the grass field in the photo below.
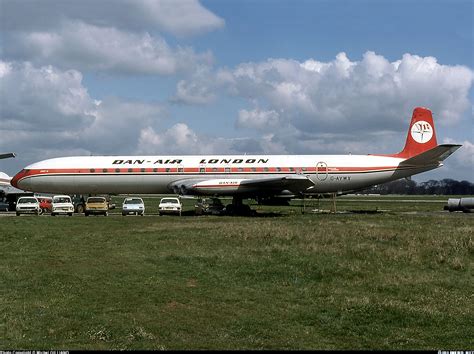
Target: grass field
x,y
397,279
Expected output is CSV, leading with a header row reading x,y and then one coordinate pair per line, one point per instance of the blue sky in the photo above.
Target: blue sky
x,y
260,76
257,30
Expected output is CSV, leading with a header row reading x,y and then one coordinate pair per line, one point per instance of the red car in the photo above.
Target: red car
x,y
45,204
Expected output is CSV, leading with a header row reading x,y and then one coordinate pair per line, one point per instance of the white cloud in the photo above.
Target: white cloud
x,y
181,139
43,98
193,93
258,119
183,17
118,125
370,95
5,68
464,156
178,137
89,47
178,17
48,112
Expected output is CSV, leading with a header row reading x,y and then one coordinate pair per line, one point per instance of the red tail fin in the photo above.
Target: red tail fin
x,y
421,134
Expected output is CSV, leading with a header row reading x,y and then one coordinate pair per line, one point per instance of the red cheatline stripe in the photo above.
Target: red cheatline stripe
x,y
207,170
216,185
196,171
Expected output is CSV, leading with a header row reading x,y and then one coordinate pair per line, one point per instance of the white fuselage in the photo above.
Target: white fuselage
x,y
213,174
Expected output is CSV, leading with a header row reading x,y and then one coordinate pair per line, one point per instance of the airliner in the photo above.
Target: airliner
x,y
239,176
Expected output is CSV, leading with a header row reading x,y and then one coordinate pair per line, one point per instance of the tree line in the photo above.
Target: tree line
x,y
406,186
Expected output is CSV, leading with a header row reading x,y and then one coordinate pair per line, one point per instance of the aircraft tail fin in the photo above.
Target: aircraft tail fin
x,y
7,155
421,135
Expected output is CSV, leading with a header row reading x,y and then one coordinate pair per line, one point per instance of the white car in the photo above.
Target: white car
x,y
28,205
170,206
133,206
62,204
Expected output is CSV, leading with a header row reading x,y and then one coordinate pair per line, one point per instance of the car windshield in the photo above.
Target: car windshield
x,y
133,201
96,200
27,200
62,200
169,201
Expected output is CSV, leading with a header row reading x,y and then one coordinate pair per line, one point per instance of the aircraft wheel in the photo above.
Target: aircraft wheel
x,y
229,209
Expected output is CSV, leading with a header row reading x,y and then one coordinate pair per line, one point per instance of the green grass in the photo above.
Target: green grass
x,y
391,280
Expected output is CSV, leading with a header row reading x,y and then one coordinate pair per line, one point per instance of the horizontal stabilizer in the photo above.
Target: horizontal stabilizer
x,y
433,156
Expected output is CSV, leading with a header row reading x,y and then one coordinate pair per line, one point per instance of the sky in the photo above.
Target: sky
x,y
131,77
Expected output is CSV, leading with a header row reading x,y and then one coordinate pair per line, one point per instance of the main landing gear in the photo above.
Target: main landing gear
x,y
237,208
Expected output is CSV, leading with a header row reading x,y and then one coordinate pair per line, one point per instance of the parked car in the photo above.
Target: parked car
x,y
62,204
96,206
170,206
133,205
28,205
4,205
212,206
45,204
79,201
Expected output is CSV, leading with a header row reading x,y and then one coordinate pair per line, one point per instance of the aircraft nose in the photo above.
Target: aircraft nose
x,y
16,180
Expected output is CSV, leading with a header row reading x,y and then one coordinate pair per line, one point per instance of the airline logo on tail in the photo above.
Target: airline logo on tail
x,y
421,132
421,135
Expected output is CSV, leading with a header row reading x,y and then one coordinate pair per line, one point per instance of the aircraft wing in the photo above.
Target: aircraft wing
x,y
293,183
248,186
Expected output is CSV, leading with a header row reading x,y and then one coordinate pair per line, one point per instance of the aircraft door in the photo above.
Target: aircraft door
x,y
321,171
